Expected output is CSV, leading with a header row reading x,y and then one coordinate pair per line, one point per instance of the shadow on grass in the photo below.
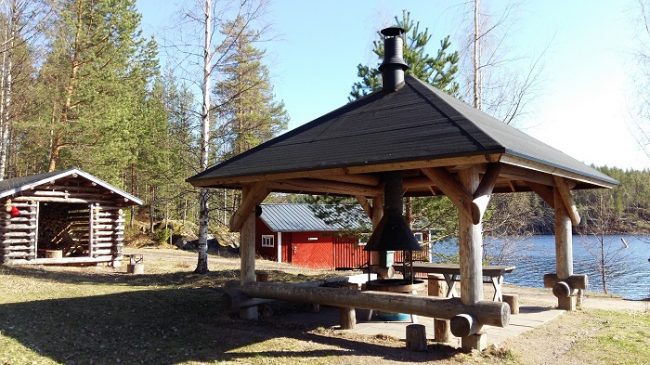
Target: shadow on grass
x,y
175,279
214,278
167,326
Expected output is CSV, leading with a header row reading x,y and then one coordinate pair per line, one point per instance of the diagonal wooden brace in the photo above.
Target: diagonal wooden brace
x,y
565,192
254,194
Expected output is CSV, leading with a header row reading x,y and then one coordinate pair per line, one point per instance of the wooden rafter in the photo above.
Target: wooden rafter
x,y
562,187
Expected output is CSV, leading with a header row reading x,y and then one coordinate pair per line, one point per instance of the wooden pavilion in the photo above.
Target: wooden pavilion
x,y
440,145
62,217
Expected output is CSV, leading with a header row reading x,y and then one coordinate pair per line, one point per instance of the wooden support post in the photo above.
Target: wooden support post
x,y
441,330
377,214
470,242
247,249
437,287
513,302
563,250
416,337
348,318
470,246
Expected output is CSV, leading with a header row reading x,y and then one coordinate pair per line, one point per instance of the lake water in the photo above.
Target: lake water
x,y
535,256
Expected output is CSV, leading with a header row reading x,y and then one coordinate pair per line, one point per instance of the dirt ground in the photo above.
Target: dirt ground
x,y
557,342
37,305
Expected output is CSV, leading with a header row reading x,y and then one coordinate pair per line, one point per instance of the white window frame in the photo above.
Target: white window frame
x,y
419,236
266,238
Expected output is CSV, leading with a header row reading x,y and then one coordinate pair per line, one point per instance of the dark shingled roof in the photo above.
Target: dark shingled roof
x,y
13,186
416,122
301,218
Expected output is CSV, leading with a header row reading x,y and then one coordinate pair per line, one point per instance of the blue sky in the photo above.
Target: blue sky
x,y
584,99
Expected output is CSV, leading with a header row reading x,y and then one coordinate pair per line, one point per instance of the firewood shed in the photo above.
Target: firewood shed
x,y
62,217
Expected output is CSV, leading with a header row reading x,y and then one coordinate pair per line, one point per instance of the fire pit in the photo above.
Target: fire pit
x,y
395,285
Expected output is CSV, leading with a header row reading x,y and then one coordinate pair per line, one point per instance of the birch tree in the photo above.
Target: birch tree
x,y
21,23
214,53
493,87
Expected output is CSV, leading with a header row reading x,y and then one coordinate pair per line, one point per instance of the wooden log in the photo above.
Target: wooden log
x,y
487,312
464,325
53,254
416,337
98,252
563,239
436,285
247,250
574,281
474,342
470,246
513,302
561,289
348,318
441,330
562,187
237,300
17,248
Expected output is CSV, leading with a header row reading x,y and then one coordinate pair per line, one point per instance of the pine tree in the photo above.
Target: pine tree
x,y
439,71
248,113
91,77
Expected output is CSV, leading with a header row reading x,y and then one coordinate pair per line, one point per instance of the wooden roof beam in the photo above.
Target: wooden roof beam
x,y
564,189
520,173
317,186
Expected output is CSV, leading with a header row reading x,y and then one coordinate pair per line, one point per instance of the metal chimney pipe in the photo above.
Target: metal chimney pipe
x,y
393,67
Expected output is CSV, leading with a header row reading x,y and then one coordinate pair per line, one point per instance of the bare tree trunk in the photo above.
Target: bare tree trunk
x,y
202,264
476,58
603,276
6,117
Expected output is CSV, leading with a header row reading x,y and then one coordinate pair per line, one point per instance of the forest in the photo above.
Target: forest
x,y
82,87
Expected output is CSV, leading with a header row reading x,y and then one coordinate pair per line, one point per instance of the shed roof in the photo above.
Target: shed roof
x,y
295,217
414,123
16,185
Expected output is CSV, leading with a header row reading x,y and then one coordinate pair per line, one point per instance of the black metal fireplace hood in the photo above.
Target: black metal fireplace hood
x,y
392,233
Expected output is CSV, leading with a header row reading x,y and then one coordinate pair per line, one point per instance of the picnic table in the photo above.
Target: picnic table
x,y
451,273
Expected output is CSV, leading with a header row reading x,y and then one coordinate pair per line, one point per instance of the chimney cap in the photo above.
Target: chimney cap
x,y
392,31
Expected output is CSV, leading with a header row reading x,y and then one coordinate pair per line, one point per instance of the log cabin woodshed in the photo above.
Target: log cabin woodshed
x,y
62,217
439,145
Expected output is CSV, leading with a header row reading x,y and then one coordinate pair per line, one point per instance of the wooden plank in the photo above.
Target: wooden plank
x,y
562,187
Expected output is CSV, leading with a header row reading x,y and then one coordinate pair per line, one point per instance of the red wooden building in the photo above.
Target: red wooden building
x,y
293,233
